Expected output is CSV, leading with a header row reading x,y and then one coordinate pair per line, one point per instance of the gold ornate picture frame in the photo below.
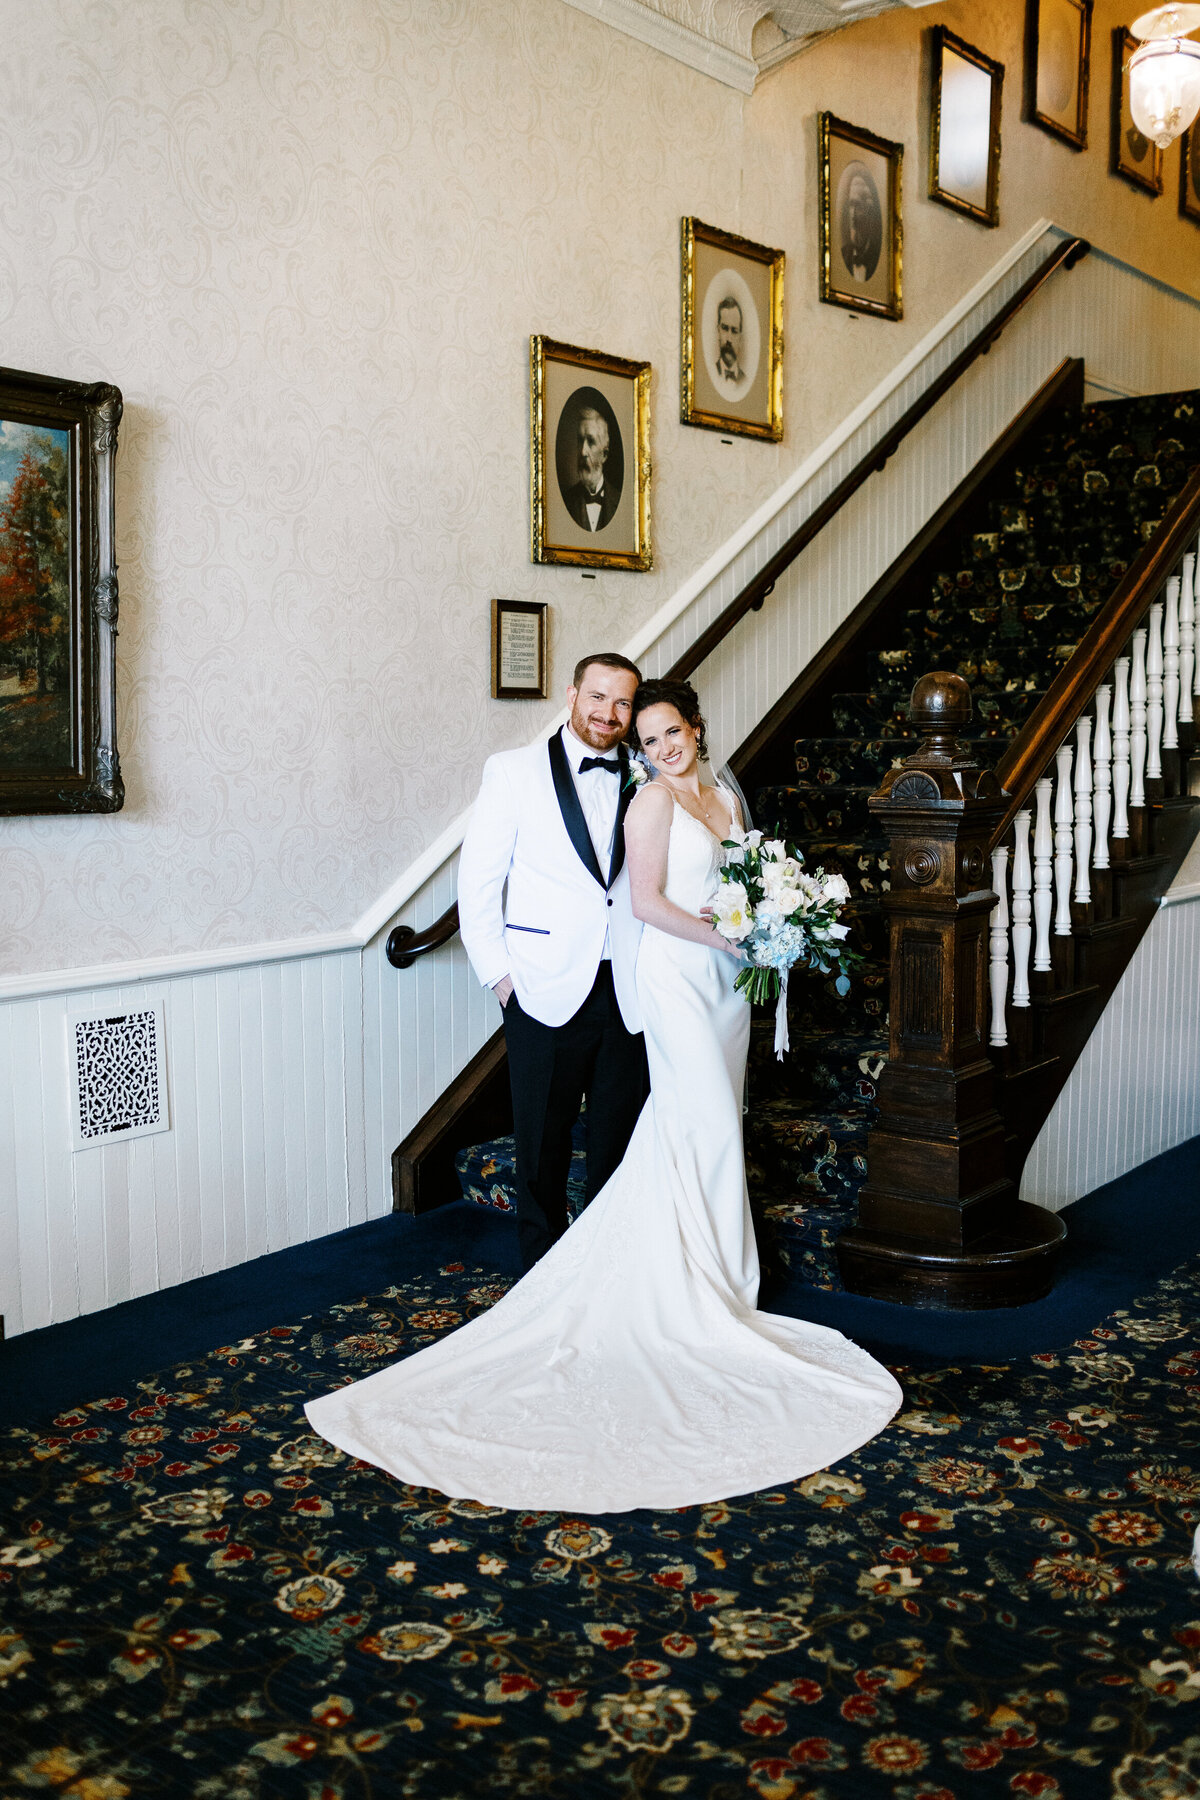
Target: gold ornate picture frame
x,y
1134,158
589,457
964,127
731,333
1058,38
860,223
1189,174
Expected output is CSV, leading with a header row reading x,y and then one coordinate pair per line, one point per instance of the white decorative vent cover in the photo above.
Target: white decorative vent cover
x,y
118,1075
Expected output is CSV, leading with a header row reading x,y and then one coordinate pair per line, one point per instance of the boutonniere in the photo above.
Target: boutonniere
x,y
637,773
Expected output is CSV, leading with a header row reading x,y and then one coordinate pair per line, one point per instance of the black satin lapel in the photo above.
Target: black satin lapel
x,y
572,812
627,793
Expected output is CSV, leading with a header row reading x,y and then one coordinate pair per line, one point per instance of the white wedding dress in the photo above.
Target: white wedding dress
x,y
630,1367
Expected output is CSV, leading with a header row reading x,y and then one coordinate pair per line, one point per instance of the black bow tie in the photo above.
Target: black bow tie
x,y
599,762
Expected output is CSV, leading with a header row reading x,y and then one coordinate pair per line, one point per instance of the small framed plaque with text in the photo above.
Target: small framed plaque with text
x,y
518,649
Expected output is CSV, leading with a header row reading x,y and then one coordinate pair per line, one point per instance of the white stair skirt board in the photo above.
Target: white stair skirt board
x,y
1133,1093
295,1067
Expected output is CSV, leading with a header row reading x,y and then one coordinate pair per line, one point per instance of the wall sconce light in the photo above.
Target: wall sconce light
x,y
1164,73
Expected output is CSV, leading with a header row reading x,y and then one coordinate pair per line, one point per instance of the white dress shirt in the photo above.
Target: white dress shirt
x,y
599,796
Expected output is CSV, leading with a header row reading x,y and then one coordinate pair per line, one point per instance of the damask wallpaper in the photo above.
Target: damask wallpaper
x,y
309,243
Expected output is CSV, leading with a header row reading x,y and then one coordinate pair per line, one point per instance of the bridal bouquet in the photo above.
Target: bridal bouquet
x,y
781,916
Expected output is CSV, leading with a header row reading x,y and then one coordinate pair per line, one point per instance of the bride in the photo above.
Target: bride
x,y
630,1366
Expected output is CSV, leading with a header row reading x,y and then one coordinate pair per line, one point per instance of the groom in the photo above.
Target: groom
x,y
559,951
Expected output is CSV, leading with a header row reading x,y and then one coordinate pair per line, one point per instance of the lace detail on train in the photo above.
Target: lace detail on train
x,y
630,1367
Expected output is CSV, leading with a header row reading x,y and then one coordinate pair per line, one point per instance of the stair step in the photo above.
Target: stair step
x,y
850,761
803,1236
796,1154
806,810
486,1173
824,1071
885,710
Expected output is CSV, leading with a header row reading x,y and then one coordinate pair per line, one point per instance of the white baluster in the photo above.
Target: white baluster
x,y
1154,695
1121,748
1170,738
1103,782
1187,638
1043,866
998,943
1022,911
1083,809
1137,722
1064,820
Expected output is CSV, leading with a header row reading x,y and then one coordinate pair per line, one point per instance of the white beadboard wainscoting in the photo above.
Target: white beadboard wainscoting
x,y
266,1145
1135,1091
294,1069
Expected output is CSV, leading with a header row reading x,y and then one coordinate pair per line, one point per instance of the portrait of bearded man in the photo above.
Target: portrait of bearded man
x,y
593,497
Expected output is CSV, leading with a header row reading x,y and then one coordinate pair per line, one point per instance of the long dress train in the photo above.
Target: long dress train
x,y
630,1367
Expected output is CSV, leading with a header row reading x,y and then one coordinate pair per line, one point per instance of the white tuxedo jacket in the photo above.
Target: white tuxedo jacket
x,y
527,830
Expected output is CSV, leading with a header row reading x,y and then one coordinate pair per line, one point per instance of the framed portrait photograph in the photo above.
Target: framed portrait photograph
x,y
1057,59
589,419
519,649
964,127
1134,157
731,333
1189,173
58,596
860,218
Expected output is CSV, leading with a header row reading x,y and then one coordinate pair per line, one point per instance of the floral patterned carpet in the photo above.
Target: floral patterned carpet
x,y
198,1597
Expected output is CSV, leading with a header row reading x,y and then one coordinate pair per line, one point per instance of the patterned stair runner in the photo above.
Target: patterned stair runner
x,y
1006,612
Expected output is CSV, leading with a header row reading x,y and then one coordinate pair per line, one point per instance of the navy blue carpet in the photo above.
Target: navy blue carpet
x,y
1122,1239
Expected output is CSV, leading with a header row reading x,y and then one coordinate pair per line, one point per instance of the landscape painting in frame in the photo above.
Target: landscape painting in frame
x,y
58,596
589,477
964,128
35,597
1058,42
1134,157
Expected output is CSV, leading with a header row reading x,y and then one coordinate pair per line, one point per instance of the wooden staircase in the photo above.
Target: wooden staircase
x,y
887,1151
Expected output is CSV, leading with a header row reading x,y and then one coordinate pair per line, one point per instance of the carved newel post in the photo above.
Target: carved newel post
x,y
940,1223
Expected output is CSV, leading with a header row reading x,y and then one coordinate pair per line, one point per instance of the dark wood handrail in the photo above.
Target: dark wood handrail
x,y
1068,253
406,945
1074,687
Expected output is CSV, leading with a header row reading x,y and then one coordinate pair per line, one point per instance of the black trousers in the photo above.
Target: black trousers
x,y
552,1069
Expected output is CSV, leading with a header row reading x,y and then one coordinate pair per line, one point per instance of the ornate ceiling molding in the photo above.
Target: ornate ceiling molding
x,y
734,41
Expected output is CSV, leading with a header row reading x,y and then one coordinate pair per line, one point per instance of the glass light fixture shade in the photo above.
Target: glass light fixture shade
x,y
1164,88
1174,20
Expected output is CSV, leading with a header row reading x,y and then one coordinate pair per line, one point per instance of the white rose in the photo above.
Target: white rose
x,y
788,900
753,839
776,849
731,912
776,875
836,888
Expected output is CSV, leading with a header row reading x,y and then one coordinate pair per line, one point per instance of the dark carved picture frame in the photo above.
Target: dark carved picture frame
x,y
58,597
1073,132
837,287
941,41
1189,174
1149,179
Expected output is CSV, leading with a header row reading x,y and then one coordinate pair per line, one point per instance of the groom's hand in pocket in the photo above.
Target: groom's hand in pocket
x,y
503,990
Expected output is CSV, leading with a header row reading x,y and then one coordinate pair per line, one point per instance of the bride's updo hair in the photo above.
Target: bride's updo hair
x,y
679,694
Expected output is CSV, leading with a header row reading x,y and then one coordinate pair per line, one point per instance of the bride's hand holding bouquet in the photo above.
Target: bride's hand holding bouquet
x,y
780,916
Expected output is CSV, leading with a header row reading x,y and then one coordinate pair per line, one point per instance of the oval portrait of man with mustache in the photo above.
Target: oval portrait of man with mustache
x,y
589,459
730,335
